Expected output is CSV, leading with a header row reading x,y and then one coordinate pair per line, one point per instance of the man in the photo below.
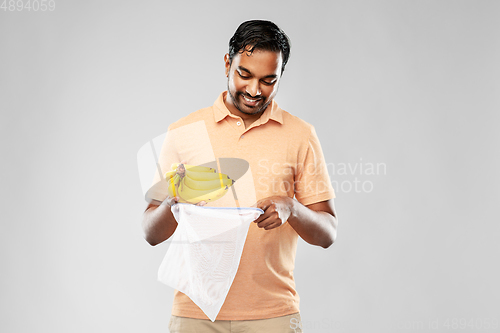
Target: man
x,y
286,162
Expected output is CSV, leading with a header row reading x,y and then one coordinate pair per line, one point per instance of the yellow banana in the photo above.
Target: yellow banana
x,y
173,186
205,175
207,184
169,175
189,195
196,168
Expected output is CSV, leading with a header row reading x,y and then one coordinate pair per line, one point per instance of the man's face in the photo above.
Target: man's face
x,y
252,81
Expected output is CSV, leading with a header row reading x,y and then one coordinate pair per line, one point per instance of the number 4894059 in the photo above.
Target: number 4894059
x,y
28,5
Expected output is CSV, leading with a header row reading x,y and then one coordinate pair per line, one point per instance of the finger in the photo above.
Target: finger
x,y
272,222
268,209
272,217
262,217
265,223
263,204
265,207
170,201
201,203
273,225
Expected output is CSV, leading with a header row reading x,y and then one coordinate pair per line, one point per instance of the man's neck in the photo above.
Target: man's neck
x,y
248,119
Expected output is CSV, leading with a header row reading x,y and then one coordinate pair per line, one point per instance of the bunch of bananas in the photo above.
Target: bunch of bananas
x,y
193,184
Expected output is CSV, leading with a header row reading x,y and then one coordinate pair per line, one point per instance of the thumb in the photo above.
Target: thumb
x,y
170,201
262,204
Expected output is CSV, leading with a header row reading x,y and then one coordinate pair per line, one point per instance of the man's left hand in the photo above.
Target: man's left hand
x,y
276,209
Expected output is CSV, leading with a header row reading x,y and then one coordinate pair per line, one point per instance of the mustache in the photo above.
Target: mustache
x,y
251,97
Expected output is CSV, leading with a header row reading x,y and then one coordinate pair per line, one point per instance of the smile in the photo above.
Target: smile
x,y
250,100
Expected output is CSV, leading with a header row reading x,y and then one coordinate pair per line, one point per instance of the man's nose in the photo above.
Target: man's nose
x,y
253,88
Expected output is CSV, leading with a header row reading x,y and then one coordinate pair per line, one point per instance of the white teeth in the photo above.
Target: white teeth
x,y
250,100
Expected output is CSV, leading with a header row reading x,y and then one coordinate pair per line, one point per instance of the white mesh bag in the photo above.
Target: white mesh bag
x,y
205,252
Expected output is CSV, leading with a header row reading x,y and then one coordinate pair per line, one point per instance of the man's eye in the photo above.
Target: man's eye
x,y
268,83
242,76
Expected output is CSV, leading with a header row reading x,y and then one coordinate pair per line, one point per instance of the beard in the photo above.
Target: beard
x,y
237,102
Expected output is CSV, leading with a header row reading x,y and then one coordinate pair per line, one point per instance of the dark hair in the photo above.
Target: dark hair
x,y
259,35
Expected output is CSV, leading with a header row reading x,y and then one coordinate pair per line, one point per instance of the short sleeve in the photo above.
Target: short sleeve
x,y
186,141
312,182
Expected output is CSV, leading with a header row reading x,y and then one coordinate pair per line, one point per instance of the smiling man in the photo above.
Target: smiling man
x,y
292,187
253,78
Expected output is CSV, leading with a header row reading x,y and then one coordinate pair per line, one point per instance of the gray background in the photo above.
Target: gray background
x,y
410,84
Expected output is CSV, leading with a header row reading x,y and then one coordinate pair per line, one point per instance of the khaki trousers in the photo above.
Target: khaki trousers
x,y
284,324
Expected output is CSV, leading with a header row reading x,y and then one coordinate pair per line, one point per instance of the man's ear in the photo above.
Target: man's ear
x,y
227,63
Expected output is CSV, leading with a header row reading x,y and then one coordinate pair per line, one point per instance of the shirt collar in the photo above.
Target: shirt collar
x,y
272,112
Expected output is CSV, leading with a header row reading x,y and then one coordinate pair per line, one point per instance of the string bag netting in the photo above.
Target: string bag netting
x,y
205,252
